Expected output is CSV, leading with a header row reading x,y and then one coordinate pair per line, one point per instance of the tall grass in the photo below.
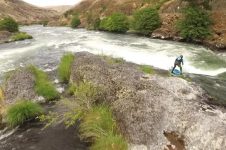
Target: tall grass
x,y
1,95
43,86
97,122
20,112
2,108
147,69
111,60
64,69
110,142
19,36
86,93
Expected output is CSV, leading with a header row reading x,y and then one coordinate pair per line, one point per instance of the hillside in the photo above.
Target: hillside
x,y
23,12
60,9
169,12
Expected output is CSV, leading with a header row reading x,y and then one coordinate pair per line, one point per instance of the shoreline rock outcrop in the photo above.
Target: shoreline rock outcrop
x,y
4,36
153,111
19,85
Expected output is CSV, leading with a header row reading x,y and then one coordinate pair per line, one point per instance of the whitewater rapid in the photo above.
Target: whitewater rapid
x,y
50,43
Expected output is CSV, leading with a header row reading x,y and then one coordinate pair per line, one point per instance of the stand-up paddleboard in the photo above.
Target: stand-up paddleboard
x,y
176,72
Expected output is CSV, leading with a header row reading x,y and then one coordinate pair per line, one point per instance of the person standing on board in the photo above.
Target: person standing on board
x,y
178,63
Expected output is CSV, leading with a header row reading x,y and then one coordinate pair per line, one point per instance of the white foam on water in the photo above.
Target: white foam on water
x,y
140,50
161,59
6,133
15,51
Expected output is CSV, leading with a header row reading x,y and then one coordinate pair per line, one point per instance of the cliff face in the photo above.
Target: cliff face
x,y
169,12
24,12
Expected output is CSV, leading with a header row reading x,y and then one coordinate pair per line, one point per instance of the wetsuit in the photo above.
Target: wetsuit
x,y
178,62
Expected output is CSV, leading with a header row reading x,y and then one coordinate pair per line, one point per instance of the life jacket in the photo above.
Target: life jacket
x,y
179,59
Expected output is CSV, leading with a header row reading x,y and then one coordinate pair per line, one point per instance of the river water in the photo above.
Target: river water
x,y
50,43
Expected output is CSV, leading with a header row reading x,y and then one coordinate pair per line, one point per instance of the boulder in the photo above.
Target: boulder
x,y
4,36
19,85
154,112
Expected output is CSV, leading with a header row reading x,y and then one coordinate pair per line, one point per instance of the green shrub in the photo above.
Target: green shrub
x,y
64,69
110,142
93,21
147,69
195,24
21,36
97,122
43,86
44,23
9,24
203,3
22,111
87,94
117,22
75,22
71,89
146,20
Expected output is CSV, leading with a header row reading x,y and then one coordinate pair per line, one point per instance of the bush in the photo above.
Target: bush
x,y
117,22
93,21
71,89
147,69
22,111
75,22
87,94
43,86
195,24
64,69
110,142
45,23
9,24
146,20
21,36
203,3
94,24
97,122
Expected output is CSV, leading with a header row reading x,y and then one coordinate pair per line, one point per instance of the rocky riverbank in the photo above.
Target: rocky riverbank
x,y
170,13
153,111
4,36
7,37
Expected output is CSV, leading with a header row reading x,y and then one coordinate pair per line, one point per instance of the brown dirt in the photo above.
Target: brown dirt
x,y
177,142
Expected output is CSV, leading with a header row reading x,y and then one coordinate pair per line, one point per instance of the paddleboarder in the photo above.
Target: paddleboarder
x,y
178,63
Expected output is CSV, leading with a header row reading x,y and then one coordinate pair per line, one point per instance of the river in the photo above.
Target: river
x,y
50,43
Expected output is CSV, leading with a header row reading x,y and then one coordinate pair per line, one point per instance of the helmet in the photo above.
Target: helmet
x,y
181,56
